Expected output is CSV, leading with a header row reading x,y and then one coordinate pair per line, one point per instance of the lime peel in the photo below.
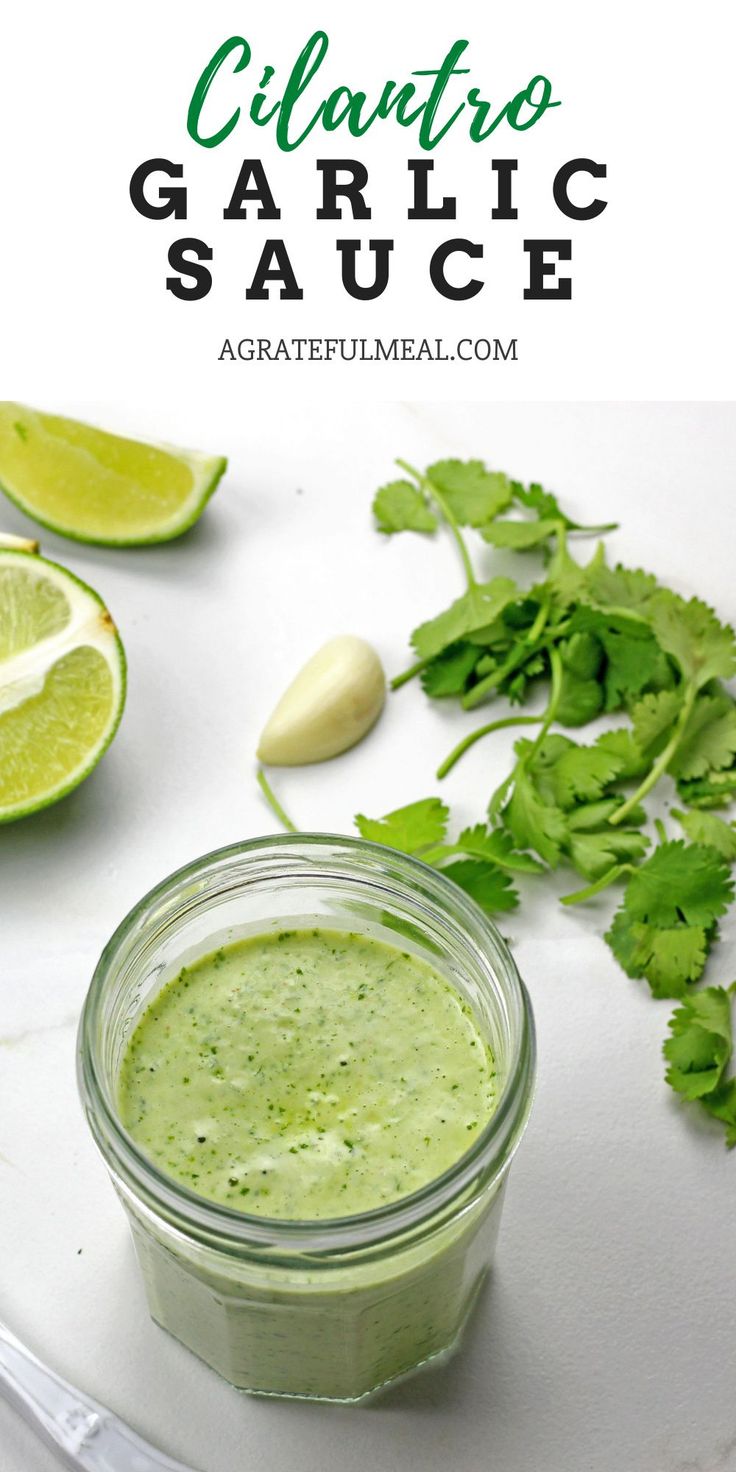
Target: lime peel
x,y
62,692
93,486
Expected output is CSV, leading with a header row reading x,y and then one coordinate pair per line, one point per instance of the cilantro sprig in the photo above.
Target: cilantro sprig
x,y
598,640
667,920
481,860
699,1051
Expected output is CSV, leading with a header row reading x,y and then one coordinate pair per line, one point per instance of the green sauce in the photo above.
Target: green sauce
x,y
307,1074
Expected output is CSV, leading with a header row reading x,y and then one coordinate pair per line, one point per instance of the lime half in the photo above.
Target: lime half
x,y
62,682
97,487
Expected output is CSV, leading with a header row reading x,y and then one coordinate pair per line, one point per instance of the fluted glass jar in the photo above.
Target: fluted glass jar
x,y
332,1308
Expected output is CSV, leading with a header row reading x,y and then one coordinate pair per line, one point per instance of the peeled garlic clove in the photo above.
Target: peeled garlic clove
x,y
332,703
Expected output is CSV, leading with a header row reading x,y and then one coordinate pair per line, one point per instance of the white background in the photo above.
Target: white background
x,y
88,92
606,1340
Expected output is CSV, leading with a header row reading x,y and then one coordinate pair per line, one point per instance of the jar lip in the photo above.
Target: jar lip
x,y
198,1215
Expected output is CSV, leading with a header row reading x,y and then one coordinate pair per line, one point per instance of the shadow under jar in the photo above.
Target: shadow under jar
x,y
334,1308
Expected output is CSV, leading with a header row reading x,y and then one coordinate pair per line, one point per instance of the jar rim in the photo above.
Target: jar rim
x,y
208,1220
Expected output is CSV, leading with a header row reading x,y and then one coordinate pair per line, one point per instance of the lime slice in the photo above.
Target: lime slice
x,y
62,682
96,487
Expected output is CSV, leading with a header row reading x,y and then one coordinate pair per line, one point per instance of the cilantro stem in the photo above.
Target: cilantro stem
x,y
614,610
547,718
494,806
274,803
436,495
537,627
517,657
663,760
470,740
610,877
406,675
477,694
587,531
551,711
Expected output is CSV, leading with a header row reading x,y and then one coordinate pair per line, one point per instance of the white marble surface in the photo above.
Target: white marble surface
x,y
607,1338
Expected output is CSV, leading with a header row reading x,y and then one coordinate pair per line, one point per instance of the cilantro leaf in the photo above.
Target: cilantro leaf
x,y
400,507
635,662
653,715
535,498
489,886
709,739
704,648
519,535
699,1051
473,494
680,882
594,853
669,958
522,614
621,587
700,1047
579,700
623,744
515,685
594,846
542,761
567,581
479,606
582,654
486,662
634,658
713,791
409,829
594,815
722,1105
420,828
493,635
448,673
706,828
546,505
666,921
582,773
569,779
495,845
533,823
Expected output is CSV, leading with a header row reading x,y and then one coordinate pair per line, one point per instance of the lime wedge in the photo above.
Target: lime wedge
x,y
96,487
62,682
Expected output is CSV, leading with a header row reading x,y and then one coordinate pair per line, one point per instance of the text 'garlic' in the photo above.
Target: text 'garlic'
x,y
332,704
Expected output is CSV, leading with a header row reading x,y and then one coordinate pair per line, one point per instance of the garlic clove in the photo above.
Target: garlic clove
x,y
333,702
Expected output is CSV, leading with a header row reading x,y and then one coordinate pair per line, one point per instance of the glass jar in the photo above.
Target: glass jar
x,y
329,1309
